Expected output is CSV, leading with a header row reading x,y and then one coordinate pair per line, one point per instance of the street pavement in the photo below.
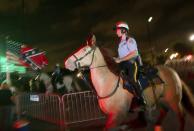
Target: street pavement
x,y
170,123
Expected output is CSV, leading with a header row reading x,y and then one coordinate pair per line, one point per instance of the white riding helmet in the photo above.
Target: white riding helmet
x,y
122,24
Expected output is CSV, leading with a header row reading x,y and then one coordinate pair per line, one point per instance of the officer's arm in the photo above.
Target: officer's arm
x,y
129,56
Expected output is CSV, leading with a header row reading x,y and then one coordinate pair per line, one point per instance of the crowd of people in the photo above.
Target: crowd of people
x,y
58,82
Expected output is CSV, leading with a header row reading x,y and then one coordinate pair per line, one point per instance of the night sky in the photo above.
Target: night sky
x,y
60,26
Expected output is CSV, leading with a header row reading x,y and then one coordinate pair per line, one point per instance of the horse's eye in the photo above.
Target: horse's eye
x,y
84,49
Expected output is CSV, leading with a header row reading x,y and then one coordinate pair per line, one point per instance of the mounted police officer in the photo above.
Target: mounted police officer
x,y
128,58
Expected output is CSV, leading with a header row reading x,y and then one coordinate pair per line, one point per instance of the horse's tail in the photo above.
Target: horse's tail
x,y
188,99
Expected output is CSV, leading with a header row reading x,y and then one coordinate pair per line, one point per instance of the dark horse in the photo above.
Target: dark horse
x,y
64,81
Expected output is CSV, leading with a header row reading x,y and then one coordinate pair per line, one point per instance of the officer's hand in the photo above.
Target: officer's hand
x,y
117,60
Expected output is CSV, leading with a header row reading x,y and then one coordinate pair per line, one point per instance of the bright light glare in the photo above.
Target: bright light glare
x,y
166,50
188,58
150,19
174,55
79,75
191,38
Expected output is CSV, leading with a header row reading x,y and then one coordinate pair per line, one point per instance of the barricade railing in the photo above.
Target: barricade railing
x,y
80,107
40,106
70,109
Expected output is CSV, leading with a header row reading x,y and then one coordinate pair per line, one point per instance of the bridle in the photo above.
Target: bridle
x,y
77,60
77,65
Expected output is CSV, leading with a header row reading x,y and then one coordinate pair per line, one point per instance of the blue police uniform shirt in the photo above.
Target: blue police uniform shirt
x,y
127,46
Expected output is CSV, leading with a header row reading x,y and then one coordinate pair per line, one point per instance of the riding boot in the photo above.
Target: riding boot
x,y
133,87
139,94
128,86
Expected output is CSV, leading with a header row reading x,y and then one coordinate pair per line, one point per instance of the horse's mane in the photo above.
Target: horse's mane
x,y
112,65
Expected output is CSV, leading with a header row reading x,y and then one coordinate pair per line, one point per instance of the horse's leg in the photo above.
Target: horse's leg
x,y
77,87
68,80
113,122
163,112
138,122
110,123
181,116
177,108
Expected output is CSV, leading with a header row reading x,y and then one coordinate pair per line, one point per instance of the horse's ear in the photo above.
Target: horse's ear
x,y
91,40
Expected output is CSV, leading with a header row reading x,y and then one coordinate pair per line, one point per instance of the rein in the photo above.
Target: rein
x,y
103,97
112,93
97,67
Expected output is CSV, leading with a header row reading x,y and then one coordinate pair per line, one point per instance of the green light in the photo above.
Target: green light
x,y
10,67
2,60
20,69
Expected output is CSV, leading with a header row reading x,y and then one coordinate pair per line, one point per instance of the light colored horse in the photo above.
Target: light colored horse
x,y
47,82
70,84
115,101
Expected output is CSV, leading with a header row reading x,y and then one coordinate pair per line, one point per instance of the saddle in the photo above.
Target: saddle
x,y
146,75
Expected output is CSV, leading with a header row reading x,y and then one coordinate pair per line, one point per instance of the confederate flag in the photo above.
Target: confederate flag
x,y
26,55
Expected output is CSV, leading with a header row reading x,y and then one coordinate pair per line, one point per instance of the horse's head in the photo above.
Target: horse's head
x,y
83,57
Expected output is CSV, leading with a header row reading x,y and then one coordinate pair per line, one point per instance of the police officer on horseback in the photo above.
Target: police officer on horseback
x,y
128,58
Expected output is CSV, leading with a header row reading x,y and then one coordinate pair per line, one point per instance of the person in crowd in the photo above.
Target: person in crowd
x,y
6,107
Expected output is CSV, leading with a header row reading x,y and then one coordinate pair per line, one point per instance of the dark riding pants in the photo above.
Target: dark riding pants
x,y
130,69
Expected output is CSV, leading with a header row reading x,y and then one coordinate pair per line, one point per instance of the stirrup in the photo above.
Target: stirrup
x,y
141,100
128,86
